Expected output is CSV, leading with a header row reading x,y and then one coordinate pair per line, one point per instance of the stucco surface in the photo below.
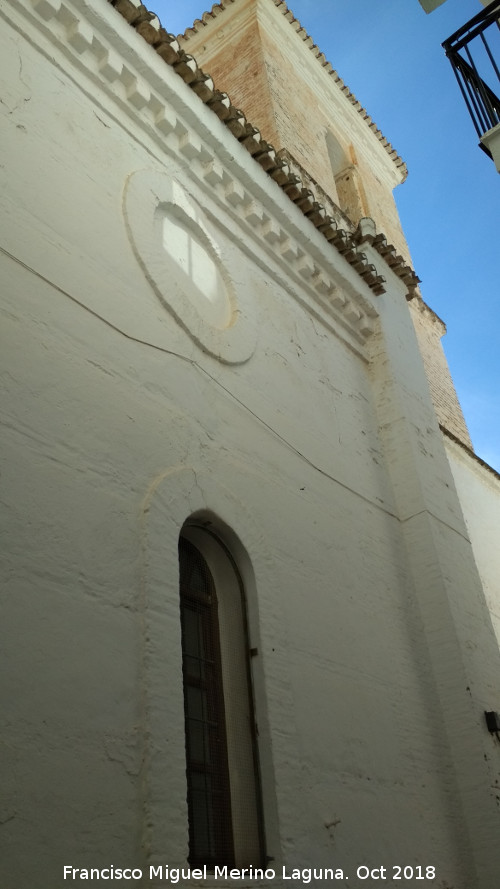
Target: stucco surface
x,y
479,489
316,457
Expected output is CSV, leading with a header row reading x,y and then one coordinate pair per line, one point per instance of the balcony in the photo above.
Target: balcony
x,y
472,57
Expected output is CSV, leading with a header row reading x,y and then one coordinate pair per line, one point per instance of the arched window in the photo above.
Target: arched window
x,y
350,193
221,764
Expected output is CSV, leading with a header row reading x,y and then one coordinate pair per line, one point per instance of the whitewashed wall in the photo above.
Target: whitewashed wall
x,y
478,487
309,444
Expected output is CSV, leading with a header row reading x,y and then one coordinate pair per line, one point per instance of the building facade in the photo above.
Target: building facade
x,y
246,623
431,5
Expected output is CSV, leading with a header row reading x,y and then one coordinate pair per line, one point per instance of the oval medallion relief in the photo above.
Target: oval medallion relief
x,y
175,244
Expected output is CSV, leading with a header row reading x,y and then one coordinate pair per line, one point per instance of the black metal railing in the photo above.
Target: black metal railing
x,y
473,60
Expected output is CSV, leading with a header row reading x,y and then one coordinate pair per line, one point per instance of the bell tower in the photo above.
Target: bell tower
x,y
258,52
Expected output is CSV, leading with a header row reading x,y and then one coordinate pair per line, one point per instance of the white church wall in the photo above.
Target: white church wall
x,y
479,491
127,411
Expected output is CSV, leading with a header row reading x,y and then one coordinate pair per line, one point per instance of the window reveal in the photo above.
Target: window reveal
x,y
209,801
221,764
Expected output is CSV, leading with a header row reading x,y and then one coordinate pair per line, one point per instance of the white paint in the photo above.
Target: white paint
x,y
430,5
177,248
479,491
205,284
312,448
492,141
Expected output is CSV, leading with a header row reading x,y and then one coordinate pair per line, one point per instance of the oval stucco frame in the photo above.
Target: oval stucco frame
x,y
149,195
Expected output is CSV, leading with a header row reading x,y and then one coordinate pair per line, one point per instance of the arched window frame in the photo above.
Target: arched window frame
x,y
225,820
350,193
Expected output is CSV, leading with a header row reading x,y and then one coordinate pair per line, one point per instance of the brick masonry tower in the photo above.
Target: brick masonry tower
x,y
258,52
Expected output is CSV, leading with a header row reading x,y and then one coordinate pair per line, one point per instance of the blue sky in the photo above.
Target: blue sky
x,y
389,54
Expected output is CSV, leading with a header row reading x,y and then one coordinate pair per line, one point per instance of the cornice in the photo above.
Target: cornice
x,y
150,97
148,25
